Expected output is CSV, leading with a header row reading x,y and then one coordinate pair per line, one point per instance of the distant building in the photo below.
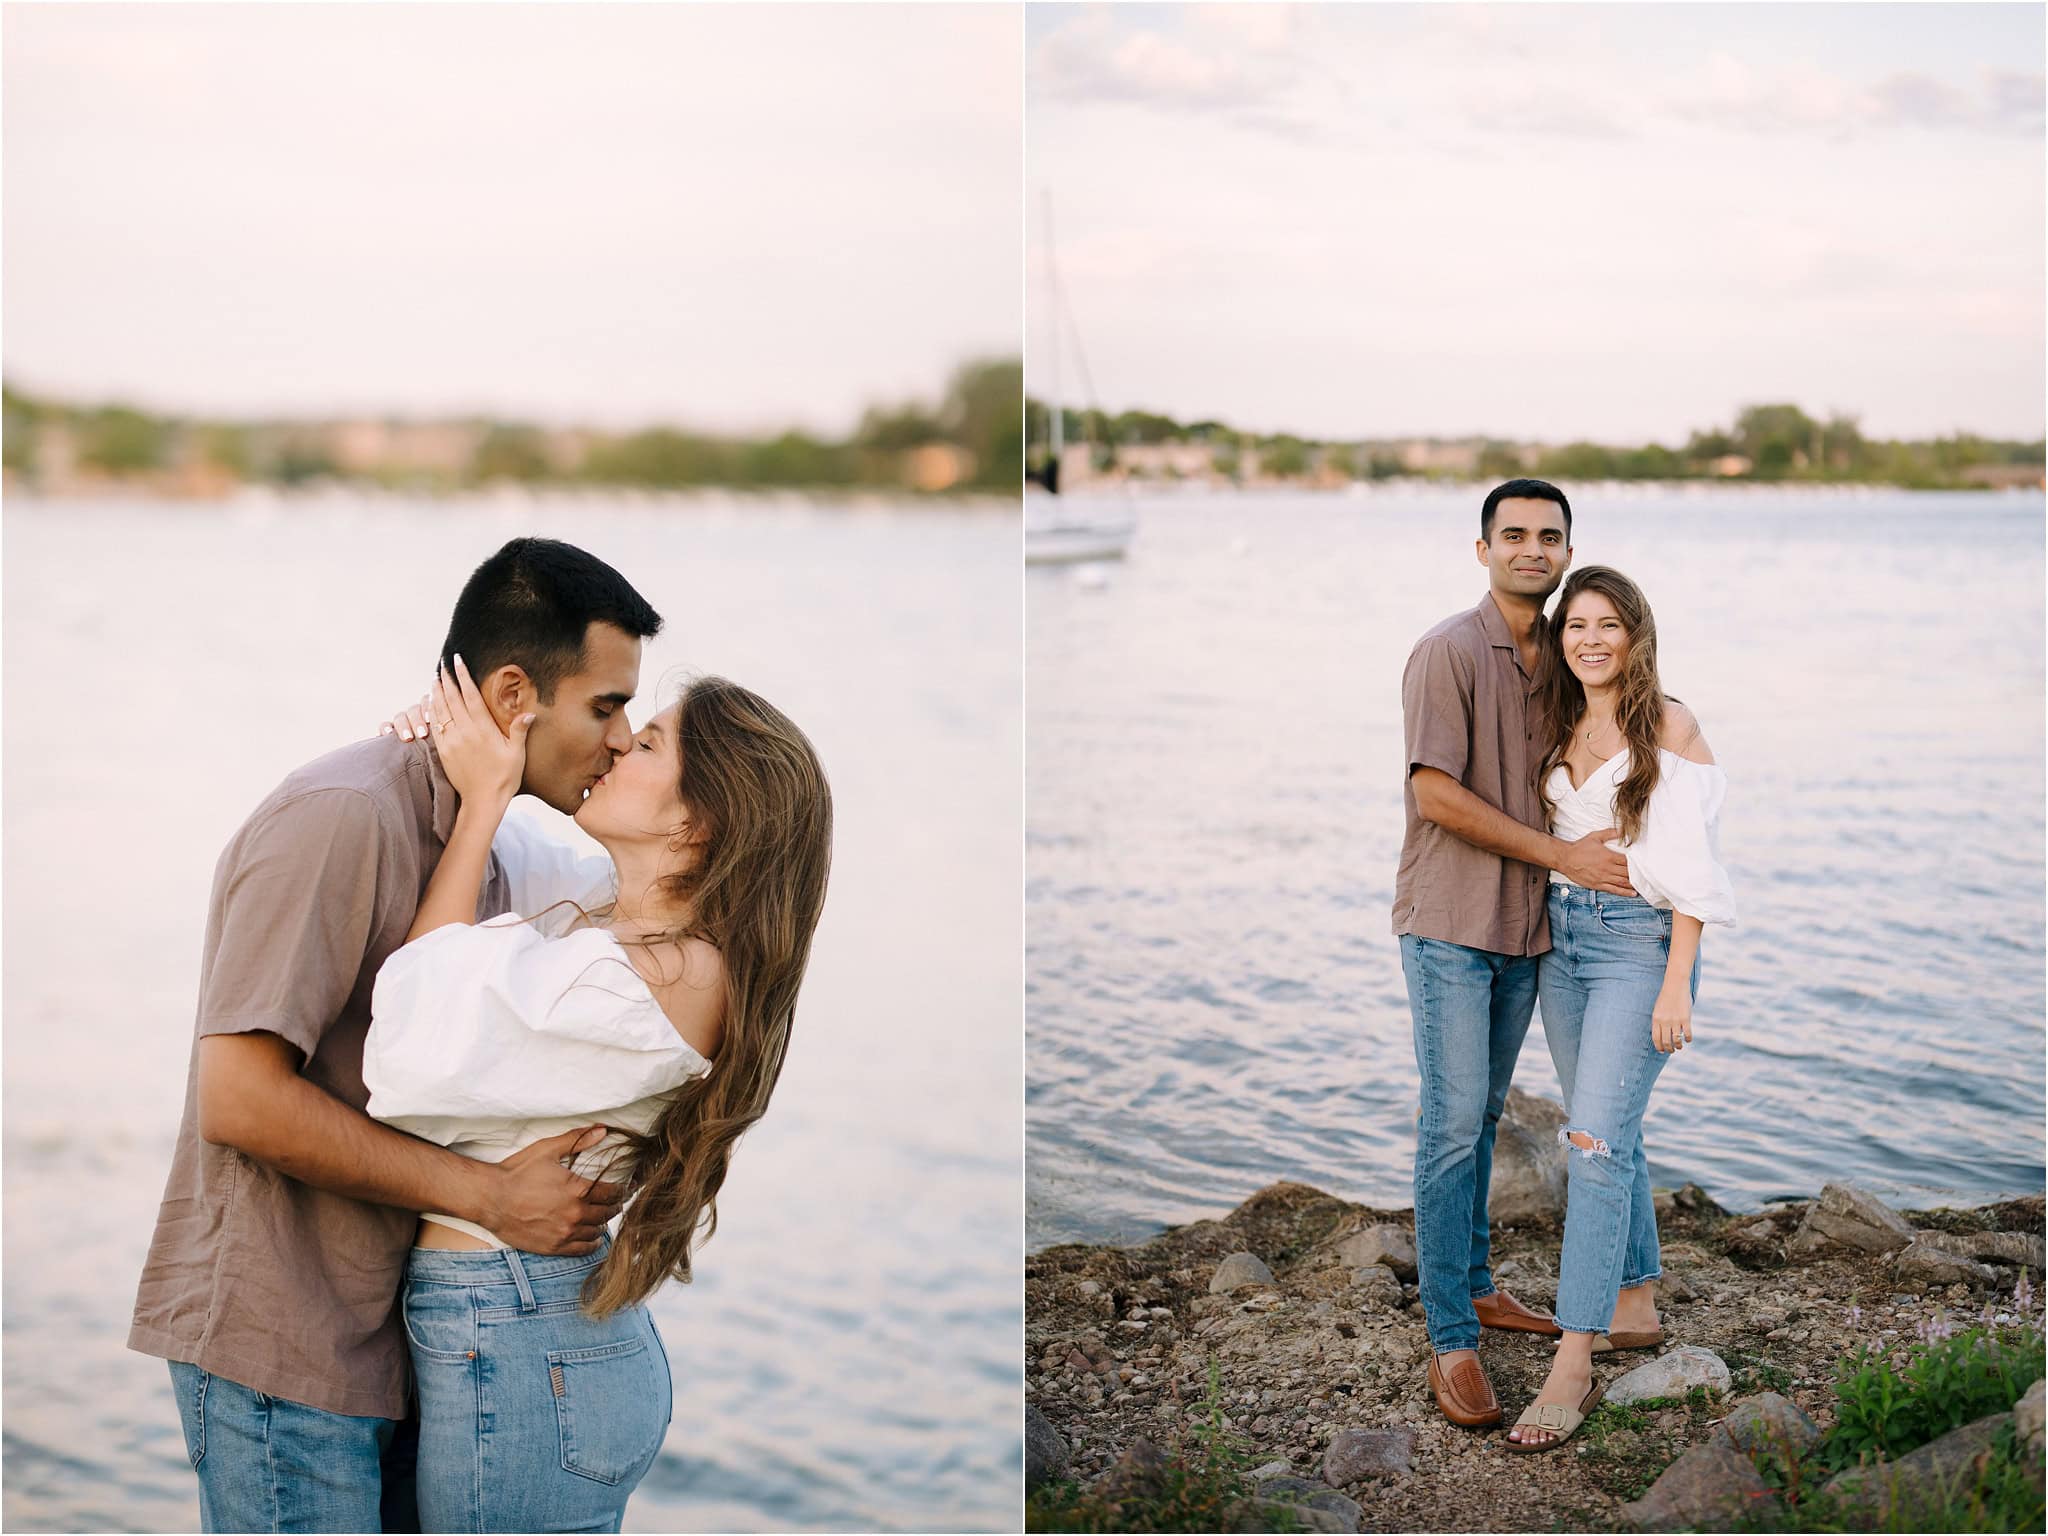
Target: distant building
x,y
1167,461
403,447
1728,464
2004,476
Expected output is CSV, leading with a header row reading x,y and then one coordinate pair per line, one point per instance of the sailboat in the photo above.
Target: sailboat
x,y
1061,527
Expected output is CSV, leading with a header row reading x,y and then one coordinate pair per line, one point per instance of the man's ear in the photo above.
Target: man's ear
x,y
509,693
1480,546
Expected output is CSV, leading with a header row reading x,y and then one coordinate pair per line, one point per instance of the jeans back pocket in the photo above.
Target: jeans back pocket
x,y
611,1407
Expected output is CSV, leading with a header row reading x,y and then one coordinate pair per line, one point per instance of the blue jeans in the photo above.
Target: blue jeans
x,y
268,1464
1471,1009
1599,985
534,1416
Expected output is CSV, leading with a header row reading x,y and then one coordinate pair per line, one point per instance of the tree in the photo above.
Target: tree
x,y
18,417
897,429
1341,459
1776,438
660,456
510,452
981,415
1498,461
1283,457
1144,427
1577,461
121,440
795,458
225,445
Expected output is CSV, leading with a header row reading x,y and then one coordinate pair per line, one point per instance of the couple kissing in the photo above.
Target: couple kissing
x,y
1561,845
461,1099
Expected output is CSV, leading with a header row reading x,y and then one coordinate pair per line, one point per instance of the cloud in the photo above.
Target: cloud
x,y
1236,62
1730,94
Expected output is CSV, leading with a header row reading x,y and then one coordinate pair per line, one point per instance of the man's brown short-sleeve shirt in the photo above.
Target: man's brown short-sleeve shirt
x,y
1465,710
254,1276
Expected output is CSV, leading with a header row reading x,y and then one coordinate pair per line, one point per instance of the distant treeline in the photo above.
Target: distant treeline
x,y
1767,442
971,438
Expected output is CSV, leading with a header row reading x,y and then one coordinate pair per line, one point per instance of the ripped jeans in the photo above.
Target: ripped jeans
x,y
1596,989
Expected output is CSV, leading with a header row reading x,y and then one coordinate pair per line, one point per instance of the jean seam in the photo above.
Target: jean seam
x,y
199,1415
270,1462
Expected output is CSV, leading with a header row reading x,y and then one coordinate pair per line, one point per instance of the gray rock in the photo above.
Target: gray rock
x,y
1300,1493
1045,1453
1673,1288
1806,1242
1710,1487
1138,1473
1672,1374
1922,1260
1858,1219
1921,1480
1271,1469
1529,1169
1385,1244
1691,1198
2026,1418
1768,1421
1262,1514
1358,1454
1239,1269
2018,1248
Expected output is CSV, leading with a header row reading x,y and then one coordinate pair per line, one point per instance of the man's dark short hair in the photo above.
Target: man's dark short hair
x,y
1534,490
530,606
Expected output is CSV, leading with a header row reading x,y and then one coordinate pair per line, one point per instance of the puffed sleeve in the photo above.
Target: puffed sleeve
x,y
499,1021
1677,860
542,870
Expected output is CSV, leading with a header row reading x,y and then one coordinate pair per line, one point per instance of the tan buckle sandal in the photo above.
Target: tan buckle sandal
x,y
1560,1421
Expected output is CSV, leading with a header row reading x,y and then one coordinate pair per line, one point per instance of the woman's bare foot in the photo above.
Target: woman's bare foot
x,y
1569,1381
1635,1310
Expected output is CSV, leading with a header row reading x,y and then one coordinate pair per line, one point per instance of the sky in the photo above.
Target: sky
x,y
732,217
1614,222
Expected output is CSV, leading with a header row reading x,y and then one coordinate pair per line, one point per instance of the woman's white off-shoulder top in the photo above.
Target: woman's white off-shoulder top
x,y
1676,863
488,1038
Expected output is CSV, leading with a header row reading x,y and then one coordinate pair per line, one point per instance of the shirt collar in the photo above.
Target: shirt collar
x,y
1497,635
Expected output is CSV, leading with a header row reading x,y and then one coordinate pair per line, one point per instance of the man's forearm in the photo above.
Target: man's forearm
x,y
307,1134
1464,815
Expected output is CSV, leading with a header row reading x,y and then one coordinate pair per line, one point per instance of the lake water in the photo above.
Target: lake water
x,y
847,1357
1214,994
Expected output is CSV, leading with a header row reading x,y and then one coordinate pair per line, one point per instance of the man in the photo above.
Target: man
x,y
1470,906
273,1278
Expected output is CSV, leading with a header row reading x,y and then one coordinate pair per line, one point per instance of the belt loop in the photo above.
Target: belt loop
x,y
526,1301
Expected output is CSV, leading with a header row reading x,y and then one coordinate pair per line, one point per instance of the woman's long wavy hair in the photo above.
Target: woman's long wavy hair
x,y
757,797
1638,701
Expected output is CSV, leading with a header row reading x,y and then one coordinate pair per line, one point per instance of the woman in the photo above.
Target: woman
x,y
1618,982
663,1013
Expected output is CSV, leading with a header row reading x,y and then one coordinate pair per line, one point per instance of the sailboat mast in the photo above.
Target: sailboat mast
x,y
1052,287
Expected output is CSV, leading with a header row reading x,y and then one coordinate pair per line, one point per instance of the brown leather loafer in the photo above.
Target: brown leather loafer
x,y
1464,1395
1501,1311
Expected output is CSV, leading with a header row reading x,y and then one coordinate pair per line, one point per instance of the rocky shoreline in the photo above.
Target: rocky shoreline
x,y
1305,1307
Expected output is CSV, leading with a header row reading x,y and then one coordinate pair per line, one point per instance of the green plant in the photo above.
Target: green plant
x,y
1202,1480
1892,1401
2003,1496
